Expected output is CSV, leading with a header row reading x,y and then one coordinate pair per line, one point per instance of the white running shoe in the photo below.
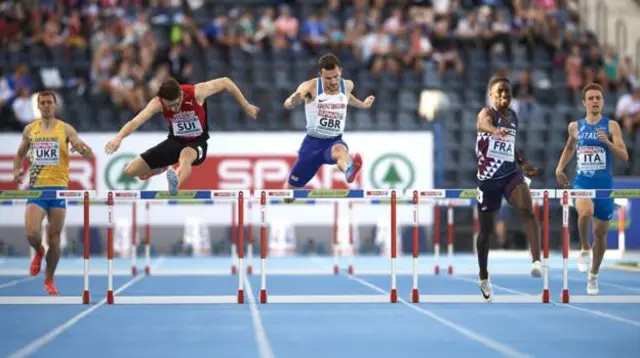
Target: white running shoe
x,y
584,260
592,285
486,290
536,269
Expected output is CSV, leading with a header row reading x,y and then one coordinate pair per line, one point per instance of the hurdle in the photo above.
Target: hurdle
x,y
319,196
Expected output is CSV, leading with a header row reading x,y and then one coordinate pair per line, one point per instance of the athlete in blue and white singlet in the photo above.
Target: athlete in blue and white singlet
x,y
326,99
595,139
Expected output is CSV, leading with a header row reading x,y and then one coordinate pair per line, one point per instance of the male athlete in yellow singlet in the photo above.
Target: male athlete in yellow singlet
x,y
46,142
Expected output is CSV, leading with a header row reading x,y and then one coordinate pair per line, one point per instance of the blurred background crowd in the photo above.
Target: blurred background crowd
x,y
106,59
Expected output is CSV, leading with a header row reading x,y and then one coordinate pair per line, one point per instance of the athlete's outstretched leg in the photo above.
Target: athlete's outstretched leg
x,y
139,168
176,178
520,197
347,164
585,209
600,229
487,227
34,214
54,229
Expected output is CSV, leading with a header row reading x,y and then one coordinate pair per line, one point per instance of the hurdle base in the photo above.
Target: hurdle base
x,y
249,270
351,271
436,270
134,270
450,270
147,271
110,297
263,296
394,295
545,296
240,296
415,296
565,296
86,298
234,270
336,269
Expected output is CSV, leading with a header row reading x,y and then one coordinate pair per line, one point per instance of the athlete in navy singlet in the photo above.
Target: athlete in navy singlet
x,y
594,138
500,175
185,110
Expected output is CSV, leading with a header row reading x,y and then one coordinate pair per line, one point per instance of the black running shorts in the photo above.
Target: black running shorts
x,y
491,191
168,151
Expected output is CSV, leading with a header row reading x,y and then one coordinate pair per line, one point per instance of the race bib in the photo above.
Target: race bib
x,y
330,126
591,159
186,126
45,152
502,148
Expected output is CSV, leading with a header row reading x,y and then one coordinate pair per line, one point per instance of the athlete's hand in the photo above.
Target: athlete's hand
x,y
562,178
529,170
296,99
18,173
502,131
252,111
83,149
112,146
603,137
368,101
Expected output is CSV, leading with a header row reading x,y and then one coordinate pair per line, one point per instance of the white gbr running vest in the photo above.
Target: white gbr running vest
x,y
327,114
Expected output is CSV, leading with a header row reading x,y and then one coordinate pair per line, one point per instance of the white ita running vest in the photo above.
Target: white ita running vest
x,y
327,114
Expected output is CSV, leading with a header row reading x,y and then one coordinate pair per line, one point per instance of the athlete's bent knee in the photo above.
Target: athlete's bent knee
x,y
527,214
32,231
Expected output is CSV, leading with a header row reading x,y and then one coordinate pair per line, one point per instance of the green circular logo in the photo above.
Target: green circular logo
x,y
114,176
392,171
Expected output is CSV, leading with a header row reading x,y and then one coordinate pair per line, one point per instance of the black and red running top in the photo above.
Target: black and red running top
x,y
189,123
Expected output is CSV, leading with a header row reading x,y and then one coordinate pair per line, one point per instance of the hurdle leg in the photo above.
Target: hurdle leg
x,y
86,298
565,247
263,247
336,268
351,241
147,242
394,249
545,247
436,238
415,295
240,247
134,233
110,298
450,235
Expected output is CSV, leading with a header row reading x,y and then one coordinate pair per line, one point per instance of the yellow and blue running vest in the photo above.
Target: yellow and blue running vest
x,y
49,156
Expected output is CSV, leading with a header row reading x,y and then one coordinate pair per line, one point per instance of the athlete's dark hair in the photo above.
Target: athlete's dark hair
x,y
592,86
329,62
497,80
47,93
169,90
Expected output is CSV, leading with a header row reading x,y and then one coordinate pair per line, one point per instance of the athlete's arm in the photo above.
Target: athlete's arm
x,y
206,89
141,118
78,144
616,144
298,96
483,123
23,149
354,101
567,153
152,108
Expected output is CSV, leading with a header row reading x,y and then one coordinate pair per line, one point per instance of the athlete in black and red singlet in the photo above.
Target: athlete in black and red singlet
x,y
500,173
185,110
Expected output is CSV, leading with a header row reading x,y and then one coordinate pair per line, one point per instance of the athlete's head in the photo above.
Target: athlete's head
x,y
500,92
593,98
47,104
170,94
330,71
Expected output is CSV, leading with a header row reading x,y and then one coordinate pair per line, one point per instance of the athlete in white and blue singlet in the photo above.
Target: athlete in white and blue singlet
x,y
595,139
326,98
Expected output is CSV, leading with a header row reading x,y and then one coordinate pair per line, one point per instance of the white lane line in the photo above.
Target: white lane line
x,y
264,347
